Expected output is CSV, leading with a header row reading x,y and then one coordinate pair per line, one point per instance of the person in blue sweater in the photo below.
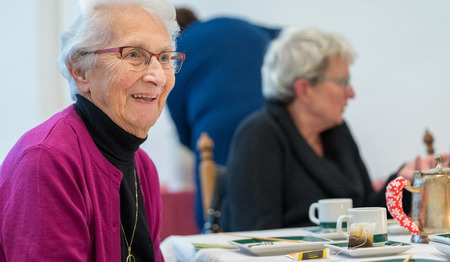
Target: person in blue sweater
x,y
219,85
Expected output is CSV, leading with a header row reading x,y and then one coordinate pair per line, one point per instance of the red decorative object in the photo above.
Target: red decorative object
x,y
394,195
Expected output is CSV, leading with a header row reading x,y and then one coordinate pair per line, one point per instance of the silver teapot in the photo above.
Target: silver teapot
x,y
430,203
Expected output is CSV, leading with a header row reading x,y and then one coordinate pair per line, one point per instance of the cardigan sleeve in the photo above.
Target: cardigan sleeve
x,y
43,208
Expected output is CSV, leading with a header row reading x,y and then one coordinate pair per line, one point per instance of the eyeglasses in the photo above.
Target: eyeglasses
x,y
342,81
138,58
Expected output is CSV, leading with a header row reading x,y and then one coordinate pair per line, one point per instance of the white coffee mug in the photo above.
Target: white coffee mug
x,y
329,211
366,214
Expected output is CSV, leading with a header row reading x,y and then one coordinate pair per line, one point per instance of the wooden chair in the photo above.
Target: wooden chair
x,y
211,183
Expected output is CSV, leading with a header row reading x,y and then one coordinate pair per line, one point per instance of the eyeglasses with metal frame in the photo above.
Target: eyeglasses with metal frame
x,y
341,81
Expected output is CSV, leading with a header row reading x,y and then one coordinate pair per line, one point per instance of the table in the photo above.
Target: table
x,y
180,248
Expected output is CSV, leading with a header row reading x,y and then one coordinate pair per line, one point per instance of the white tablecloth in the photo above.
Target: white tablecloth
x,y
180,248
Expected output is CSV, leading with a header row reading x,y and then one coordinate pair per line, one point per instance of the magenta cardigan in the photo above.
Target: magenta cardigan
x,y
59,196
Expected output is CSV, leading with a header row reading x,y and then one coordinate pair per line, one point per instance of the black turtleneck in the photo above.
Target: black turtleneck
x,y
119,147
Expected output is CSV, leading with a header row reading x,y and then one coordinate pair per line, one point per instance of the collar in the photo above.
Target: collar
x,y
116,144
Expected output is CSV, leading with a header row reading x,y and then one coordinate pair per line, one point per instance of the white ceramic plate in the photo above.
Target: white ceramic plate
x,y
259,247
441,238
319,232
388,249
444,248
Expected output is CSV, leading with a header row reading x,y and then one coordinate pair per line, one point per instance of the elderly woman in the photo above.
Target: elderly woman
x,y
77,187
297,149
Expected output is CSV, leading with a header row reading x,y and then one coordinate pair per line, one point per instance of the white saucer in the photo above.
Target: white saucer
x,y
444,248
441,238
272,248
389,248
319,232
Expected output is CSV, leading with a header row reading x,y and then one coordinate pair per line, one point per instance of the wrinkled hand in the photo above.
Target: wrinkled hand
x,y
421,163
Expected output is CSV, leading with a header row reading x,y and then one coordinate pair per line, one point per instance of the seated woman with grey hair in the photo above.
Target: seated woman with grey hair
x,y
78,187
298,148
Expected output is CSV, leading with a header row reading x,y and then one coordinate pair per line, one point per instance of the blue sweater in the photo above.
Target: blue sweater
x,y
219,84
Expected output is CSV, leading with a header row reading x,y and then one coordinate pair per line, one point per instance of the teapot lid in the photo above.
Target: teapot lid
x,y
440,169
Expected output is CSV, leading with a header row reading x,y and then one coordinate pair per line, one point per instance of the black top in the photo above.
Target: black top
x,y
273,175
119,147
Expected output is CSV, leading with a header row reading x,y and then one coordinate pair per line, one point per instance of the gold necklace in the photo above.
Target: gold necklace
x,y
130,257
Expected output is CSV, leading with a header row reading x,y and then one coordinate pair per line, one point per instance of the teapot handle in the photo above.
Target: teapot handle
x,y
394,195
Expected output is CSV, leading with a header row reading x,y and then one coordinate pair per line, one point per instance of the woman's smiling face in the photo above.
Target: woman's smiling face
x,y
132,99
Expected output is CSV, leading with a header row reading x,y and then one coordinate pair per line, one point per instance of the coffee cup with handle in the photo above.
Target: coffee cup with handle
x,y
328,211
366,214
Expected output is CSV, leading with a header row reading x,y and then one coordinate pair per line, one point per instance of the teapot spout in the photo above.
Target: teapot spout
x,y
413,189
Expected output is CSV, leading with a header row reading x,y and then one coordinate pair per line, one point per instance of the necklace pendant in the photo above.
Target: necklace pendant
x,y
130,258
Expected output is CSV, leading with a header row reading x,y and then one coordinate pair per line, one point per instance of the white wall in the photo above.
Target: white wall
x,y
17,70
400,76
31,87
401,73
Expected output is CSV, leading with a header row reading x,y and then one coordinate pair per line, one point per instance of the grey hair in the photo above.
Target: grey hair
x,y
90,29
299,53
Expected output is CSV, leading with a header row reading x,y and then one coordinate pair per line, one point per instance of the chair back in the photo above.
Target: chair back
x,y
207,170
211,183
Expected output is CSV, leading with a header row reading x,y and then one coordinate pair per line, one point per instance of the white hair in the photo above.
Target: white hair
x,y
90,29
299,53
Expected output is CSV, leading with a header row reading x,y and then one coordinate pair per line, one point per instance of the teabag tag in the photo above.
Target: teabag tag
x,y
361,235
